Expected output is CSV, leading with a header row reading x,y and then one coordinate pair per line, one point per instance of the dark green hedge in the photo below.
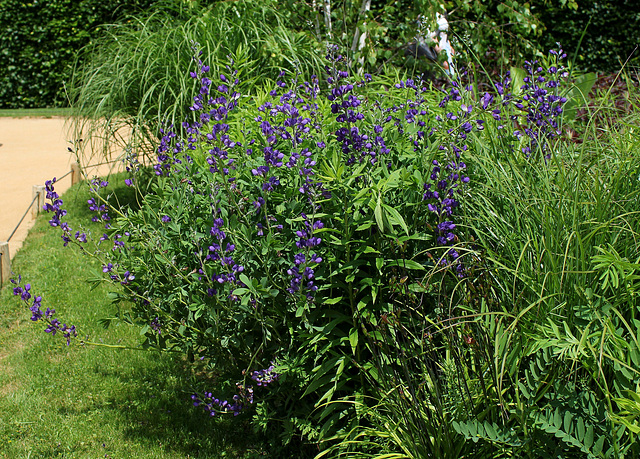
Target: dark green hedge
x,y
39,38
38,42
612,32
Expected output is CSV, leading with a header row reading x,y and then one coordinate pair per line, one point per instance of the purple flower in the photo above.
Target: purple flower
x,y
212,405
54,324
127,278
58,212
156,325
265,377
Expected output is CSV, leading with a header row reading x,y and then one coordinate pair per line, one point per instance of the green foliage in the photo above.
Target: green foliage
x,y
611,32
39,42
41,38
333,237
561,215
505,30
535,352
271,235
88,400
135,77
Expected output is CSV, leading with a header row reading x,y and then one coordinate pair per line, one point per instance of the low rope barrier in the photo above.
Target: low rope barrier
x,y
38,195
103,164
23,215
70,172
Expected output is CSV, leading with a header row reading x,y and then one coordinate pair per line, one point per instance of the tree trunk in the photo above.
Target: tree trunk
x,y
327,17
360,38
316,21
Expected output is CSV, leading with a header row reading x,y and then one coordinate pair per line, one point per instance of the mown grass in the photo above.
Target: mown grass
x,y
87,401
35,112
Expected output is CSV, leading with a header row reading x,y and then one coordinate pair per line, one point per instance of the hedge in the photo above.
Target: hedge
x,y
612,32
39,41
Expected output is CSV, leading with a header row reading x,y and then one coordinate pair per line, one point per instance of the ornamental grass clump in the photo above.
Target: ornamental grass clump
x,y
534,353
136,76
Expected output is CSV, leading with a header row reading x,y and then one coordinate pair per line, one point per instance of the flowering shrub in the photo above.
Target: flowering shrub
x,y
282,226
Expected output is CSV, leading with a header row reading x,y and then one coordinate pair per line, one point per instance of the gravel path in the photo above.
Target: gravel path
x,y
32,151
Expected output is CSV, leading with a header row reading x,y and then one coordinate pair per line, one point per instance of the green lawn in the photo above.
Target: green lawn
x,y
88,401
34,112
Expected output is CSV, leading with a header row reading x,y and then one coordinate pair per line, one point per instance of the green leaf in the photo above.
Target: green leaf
x,y
580,431
245,280
408,264
567,421
517,77
377,212
321,376
379,263
363,303
557,419
396,218
353,339
332,300
364,226
597,447
491,431
588,438
317,383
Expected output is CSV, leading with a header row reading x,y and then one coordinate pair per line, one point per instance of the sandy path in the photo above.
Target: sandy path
x,y
33,150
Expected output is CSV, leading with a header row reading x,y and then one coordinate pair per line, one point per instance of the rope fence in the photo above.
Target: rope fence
x,y
70,172
23,215
39,194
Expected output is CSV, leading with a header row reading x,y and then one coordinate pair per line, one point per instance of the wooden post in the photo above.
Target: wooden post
x,y
75,173
5,263
39,191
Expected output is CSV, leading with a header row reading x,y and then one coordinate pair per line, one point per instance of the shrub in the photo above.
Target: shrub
x,y
535,353
271,232
611,32
312,247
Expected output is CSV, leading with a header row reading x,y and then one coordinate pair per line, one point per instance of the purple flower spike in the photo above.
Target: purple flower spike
x,y
53,324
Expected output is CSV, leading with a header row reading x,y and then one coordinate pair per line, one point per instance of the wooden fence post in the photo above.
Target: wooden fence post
x,y
5,263
39,191
75,173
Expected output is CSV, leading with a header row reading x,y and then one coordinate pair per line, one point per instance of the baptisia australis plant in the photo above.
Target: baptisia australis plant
x,y
275,234
542,102
532,113
272,231
53,324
